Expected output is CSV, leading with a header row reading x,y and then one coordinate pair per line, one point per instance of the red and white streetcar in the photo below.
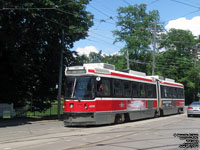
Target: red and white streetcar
x,y
97,94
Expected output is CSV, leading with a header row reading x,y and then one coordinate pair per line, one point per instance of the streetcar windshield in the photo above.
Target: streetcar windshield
x,y
79,88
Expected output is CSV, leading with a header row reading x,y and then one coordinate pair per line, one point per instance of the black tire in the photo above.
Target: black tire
x,y
161,113
119,118
127,118
156,114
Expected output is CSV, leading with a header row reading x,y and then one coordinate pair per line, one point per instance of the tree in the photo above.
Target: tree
x,y
181,41
117,60
82,59
178,61
134,29
30,41
95,57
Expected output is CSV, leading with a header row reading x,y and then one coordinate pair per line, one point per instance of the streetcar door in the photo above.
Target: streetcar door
x,y
99,88
158,94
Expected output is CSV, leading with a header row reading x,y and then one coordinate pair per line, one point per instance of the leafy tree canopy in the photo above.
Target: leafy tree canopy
x,y
135,25
178,61
30,40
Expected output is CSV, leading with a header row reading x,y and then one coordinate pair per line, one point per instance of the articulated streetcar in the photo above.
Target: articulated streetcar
x,y
97,94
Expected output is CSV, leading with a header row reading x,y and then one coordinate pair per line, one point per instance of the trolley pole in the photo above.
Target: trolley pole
x,y
154,48
60,73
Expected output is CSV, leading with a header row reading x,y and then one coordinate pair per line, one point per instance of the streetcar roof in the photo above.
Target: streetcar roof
x,y
108,70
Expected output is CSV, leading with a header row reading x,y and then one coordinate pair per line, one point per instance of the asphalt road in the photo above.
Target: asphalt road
x,y
152,134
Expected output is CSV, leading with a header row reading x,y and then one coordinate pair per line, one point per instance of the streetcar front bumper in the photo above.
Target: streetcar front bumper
x,y
79,119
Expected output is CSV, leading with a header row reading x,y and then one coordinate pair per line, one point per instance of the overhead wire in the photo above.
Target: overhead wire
x,y
190,5
99,20
104,7
103,35
57,8
191,13
126,2
152,2
109,17
194,2
106,42
33,8
60,24
186,4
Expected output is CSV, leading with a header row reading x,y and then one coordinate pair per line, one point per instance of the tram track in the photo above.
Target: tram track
x,y
26,138
120,136
58,136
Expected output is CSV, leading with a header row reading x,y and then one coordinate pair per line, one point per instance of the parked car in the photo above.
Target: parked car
x,y
193,109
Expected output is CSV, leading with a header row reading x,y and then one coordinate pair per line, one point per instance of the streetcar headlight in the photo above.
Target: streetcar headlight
x,y
86,107
71,105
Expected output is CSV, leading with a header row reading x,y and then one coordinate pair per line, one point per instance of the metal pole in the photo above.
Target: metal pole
x,y
154,48
60,73
127,57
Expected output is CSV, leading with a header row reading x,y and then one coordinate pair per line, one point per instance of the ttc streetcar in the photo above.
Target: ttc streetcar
x,y
96,94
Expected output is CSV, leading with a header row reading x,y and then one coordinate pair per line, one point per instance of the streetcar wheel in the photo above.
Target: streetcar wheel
x,y
161,113
156,114
127,118
119,118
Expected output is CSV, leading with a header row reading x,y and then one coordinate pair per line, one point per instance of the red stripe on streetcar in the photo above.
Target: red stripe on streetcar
x,y
155,104
120,75
173,84
93,71
111,105
107,105
92,106
128,76
180,103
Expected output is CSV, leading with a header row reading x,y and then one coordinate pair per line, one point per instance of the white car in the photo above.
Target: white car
x,y
193,109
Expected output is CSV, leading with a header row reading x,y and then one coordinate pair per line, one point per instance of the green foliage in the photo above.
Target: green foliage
x,y
83,59
95,57
30,41
118,60
179,61
180,40
134,24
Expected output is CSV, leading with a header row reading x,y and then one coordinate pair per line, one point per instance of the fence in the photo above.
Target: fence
x,y
6,110
25,112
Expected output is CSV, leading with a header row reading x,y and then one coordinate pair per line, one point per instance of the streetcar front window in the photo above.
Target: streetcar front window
x,y
79,88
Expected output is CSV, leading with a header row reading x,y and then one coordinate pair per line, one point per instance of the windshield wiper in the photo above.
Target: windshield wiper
x,y
73,90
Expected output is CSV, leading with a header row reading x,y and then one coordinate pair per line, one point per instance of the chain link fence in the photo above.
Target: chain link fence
x,y
8,111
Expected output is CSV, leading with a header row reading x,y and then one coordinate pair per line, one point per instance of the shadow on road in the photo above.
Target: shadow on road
x,y
24,120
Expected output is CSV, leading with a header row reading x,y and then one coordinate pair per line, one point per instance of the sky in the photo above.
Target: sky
x,y
179,14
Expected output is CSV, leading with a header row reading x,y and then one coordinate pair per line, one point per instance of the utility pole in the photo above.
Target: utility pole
x,y
154,48
127,58
60,73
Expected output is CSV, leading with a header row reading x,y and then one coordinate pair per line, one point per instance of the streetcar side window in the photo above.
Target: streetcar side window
x,y
150,91
103,87
117,87
180,93
135,91
142,90
175,94
127,89
164,92
171,92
